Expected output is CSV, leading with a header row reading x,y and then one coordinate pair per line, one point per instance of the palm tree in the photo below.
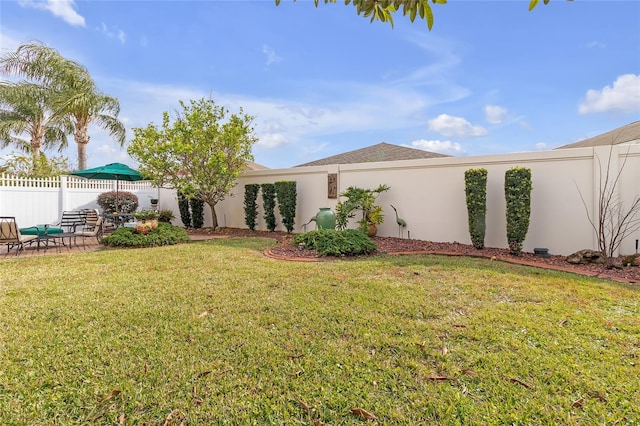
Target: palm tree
x,y
25,109
87,106
74,93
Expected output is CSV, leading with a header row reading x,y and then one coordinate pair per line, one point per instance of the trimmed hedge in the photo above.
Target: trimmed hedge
x,y
286,194
185,214
269,204
475,184
250,206
517,192
197,213
118,201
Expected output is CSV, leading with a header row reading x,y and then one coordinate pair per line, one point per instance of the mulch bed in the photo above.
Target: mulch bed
x,y
390,245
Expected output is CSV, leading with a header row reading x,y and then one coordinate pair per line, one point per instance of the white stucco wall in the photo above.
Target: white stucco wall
x,y
429,195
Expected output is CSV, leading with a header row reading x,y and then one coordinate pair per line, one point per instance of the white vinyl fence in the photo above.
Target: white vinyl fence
x,y
42,201
429,195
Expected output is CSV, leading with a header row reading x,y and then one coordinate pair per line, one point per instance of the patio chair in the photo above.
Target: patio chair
x,y
91,217
94,230
11,236
71,220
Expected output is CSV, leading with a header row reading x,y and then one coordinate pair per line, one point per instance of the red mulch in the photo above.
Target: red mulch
x,y
390,245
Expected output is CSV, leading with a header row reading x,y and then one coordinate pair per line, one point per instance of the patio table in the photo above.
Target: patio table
x,y
118,219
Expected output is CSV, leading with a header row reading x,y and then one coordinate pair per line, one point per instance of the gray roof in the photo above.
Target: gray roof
x,y
625,134
379,152
250,165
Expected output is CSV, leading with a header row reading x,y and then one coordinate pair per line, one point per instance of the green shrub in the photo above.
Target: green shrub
x,y
332,242
250,206
269,204
146,214
183,206
120,201
475,184
164,234
286,194
517,192
197,213
165,216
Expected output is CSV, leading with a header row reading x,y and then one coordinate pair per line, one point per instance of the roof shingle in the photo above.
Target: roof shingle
x,y
624,134
379,152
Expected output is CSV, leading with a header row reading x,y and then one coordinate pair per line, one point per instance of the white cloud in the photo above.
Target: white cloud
x,y
116,33
272,56
442,147
64,9
272,140
525,125
596,44
623,96
494,114
106,149
450,126
541,146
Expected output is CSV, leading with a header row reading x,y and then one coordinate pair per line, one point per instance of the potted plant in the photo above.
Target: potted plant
x,y
147,220
365,201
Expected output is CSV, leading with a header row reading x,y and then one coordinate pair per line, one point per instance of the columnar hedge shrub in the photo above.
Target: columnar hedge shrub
x,y
120,201
250,206
517,192
475,185
197,213
286,194
269,204
185,214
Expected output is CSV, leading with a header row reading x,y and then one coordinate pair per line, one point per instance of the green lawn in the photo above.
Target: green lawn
x,y
215,333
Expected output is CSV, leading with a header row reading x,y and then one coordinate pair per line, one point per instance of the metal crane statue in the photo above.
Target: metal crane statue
x,y
304,227
401,223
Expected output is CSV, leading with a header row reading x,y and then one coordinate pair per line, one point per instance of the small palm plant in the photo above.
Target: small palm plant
x,y
363,200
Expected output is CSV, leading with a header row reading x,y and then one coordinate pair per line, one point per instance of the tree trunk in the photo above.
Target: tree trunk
x,y
214,217
81,136
82,156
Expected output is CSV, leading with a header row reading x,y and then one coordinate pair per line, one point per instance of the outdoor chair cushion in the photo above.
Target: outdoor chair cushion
x,y
39,230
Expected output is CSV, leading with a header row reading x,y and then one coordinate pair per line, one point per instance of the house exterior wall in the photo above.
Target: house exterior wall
x,y
429,195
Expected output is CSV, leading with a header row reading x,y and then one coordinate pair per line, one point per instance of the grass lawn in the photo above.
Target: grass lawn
x,y
215,333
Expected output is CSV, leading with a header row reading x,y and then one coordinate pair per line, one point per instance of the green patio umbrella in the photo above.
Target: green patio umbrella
x,y
112,171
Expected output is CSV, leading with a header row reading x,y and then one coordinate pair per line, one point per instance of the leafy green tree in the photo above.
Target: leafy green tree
x,y
42,167
72,92
383,10
27,121
200,154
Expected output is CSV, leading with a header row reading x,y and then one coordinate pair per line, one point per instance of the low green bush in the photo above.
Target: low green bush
x,y
164,234
332,242
121,201
165,216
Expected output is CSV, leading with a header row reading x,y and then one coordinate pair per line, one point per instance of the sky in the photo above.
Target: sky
x,y
489,78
